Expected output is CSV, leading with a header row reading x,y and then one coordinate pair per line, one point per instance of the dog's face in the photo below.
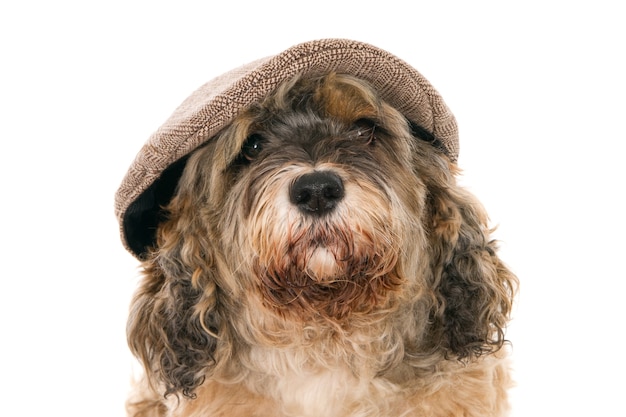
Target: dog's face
x,y
317,201
322,206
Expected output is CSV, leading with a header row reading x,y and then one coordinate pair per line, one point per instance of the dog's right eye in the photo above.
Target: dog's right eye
x,y
252,147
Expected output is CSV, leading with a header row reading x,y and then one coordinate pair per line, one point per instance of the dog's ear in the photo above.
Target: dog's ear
x,y
173,323
473,289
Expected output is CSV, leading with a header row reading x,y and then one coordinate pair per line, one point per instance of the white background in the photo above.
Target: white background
x,y
539,93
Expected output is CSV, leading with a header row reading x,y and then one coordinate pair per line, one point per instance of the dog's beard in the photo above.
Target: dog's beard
x,y
326,266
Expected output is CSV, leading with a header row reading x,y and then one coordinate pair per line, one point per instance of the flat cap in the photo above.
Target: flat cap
x,y
152,177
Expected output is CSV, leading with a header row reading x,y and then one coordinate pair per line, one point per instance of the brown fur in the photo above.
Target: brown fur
x,y
395,303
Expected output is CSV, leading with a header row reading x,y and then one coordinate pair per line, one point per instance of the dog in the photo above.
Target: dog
x,y
318,258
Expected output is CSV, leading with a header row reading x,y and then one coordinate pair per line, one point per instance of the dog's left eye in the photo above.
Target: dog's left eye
x,y
252,146
365,129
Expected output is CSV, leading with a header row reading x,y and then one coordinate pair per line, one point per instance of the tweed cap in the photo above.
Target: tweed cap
x,y
152,177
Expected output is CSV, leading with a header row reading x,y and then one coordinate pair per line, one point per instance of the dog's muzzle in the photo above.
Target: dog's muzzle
x,y
317,192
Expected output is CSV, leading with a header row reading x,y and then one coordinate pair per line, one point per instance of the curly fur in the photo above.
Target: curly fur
x,y
393,303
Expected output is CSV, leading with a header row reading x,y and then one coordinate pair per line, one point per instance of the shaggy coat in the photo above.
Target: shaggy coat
x,y
319,259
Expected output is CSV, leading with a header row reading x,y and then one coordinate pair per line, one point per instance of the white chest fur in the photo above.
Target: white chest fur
x,y
324,387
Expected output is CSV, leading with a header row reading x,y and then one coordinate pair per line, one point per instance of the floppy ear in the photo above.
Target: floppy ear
x,y
473,289
173,322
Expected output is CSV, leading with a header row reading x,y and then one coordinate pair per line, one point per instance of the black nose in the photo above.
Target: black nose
x,y
317,192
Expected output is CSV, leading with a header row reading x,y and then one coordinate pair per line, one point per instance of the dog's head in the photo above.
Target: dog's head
x,y
321,205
